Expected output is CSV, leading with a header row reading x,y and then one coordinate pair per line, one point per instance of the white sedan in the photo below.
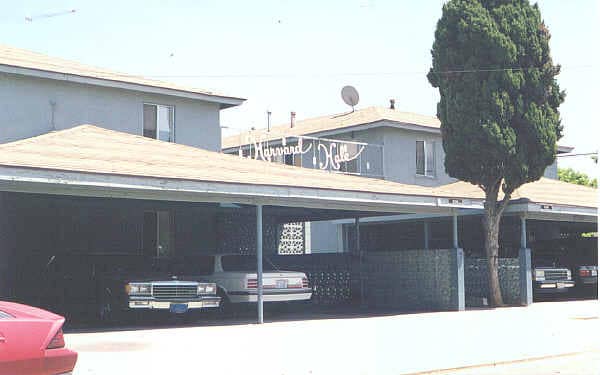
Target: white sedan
x,y
236,279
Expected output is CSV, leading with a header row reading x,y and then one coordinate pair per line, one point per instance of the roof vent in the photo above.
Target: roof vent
x,y
392,103
292,119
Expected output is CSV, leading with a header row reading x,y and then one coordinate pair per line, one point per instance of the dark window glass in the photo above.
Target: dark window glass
x,y
150,121
420,158
244,263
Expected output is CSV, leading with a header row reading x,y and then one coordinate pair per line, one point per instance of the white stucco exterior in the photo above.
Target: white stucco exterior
x,y
31,106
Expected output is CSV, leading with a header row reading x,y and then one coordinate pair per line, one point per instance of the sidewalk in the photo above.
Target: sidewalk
x,y
396,344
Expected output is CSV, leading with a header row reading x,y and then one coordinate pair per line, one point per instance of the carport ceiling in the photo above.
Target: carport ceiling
x,y
297,214
91,161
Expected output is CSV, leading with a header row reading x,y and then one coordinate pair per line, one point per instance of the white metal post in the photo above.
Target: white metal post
x,y
454,230
259,262
426,234
523,232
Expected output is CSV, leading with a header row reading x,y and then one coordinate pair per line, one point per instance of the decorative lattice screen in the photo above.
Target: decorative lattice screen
x,y
291,239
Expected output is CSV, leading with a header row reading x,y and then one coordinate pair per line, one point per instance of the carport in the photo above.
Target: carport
x,y
544,218
133,174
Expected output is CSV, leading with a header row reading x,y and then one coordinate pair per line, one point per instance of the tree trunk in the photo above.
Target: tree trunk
x,y
491,228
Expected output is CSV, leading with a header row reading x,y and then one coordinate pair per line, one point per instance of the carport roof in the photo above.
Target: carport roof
x,y
95,151
87,150
544,191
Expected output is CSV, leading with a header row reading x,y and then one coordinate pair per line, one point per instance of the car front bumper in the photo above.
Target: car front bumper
x,y
554,286
271,295
165,304
589,280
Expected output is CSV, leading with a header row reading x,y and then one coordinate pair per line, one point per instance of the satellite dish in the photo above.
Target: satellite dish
x,y
350,96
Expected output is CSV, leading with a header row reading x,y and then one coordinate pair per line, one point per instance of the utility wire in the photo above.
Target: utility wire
x,y
94,70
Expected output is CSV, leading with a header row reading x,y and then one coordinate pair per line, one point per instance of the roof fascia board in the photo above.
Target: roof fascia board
x,y
42,181
530,210
408,217
376,124
360,127
551,211
224,101
564,149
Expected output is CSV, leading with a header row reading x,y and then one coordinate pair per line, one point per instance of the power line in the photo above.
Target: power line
x,y
348,74
99,71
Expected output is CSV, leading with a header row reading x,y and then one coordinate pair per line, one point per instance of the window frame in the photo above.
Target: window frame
x,y
173,117
426,145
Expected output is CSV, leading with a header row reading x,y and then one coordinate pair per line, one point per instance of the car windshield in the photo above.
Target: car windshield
x,y
188,265
245,263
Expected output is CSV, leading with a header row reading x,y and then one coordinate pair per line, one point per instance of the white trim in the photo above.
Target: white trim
x,y
358,127
307,238
156,105
225,101
533,211
425,163
152,188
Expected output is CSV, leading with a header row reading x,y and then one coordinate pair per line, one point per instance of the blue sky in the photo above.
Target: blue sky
x,y
289,55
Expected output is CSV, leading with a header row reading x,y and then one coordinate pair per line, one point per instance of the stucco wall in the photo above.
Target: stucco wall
x,y
324,237
26,111
400,157
552,171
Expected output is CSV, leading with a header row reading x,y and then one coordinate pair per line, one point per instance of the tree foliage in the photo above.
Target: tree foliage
x,y
498,92
574,177
498,103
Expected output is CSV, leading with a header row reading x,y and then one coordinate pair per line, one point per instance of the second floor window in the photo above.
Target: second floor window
x,y
425,158
159,122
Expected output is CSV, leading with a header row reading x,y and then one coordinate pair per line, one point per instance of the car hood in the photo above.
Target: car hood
x,y
156,277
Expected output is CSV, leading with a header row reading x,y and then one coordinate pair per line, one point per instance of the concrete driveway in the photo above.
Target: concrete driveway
x,y
395,344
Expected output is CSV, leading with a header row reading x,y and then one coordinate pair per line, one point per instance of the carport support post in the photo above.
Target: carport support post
x,y
259,262
526,289
454,229
458,295
426,234
360,259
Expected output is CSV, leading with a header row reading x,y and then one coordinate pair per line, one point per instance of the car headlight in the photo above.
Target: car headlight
x,y
539,275
207,288
569,274
138,289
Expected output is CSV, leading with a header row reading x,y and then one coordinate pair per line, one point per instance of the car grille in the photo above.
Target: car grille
x,y
174,291
556,274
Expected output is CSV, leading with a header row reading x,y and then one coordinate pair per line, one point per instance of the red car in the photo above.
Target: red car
x,y
32,343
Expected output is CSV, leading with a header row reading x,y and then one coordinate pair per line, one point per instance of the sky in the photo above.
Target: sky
x,y
292,55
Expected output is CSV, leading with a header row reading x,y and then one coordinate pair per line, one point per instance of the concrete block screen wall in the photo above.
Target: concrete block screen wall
x,y
476,281
414,279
